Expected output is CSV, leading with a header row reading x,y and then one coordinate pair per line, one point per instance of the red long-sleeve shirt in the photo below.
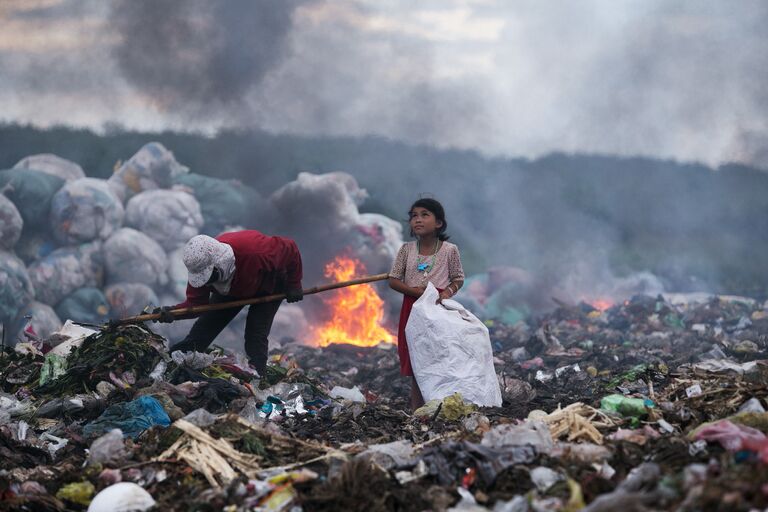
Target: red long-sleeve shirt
x,y
264,265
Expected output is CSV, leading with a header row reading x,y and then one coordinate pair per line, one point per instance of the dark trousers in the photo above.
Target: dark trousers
x,y
257,327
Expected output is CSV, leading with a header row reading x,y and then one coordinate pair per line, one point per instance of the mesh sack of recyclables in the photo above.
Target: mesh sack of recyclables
x,y
132,256
16,289
11,224
153,166
85,210
31,192
52,165
65,270
170,217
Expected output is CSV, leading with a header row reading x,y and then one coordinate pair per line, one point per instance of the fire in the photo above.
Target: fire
x,y
600,304
356,311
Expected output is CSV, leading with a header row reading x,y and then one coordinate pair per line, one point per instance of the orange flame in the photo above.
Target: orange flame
x,y
356,311
600,304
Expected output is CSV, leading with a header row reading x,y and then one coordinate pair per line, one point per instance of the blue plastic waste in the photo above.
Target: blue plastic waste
x,y
132,418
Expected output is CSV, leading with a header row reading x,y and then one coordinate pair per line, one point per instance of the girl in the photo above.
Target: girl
x,y
431,258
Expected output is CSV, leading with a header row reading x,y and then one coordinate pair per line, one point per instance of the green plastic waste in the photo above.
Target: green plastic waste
x,y
77,492
53,367
627,407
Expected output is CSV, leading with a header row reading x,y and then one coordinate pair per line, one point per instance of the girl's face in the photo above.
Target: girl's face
x,y
423,222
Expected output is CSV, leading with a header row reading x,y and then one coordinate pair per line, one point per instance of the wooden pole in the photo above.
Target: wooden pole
x,y
196,310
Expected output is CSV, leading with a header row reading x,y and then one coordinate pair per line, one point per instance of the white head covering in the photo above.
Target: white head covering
x,y
202,254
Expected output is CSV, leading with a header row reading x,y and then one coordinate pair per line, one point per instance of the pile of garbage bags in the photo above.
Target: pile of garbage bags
x,y
69,241
90,249
655,403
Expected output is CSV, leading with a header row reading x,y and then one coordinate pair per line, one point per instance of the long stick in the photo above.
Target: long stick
x,y
196,310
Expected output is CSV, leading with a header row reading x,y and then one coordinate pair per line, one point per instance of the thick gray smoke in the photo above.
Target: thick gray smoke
x,y
199,54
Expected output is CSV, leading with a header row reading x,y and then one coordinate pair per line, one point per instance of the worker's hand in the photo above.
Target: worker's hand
x,y
294,295
418,291
445,294
165,315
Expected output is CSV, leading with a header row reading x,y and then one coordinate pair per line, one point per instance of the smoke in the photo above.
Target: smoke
x,y
198,55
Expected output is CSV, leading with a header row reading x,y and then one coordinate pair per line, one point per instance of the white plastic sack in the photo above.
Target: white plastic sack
x,y
53,165
451,351
170,217
133,257
16,287
85,210
11,224
65,270
153,166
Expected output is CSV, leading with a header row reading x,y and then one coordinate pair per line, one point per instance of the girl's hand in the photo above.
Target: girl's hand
x,y
418,291
445,294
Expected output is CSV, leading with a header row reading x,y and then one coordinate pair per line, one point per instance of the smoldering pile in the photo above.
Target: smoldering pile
x,y
89,250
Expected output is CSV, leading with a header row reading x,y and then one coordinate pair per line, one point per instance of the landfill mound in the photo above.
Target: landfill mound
x,y
647,405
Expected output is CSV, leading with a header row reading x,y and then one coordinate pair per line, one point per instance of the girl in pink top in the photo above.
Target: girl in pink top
x,y
429,259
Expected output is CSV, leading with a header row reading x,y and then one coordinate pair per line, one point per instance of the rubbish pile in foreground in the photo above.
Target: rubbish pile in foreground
x,y
648,405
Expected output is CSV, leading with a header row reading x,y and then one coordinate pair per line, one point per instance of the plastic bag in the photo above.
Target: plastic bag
x,y
16,289
126,299
65,270
132,256
223,203
108,449
131,417
87,305
11,224
85,210
122,497
153,166
52,165
170,217
451,351
36,320
31,192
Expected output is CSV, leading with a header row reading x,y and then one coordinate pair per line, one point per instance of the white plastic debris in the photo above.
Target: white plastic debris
x,y
752,405
193,360
70,336
55,443
108,449
694,390
354,394
122,497
389,455
200,418
544,478
532,433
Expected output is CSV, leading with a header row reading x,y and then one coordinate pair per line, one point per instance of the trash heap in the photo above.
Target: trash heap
x,y
653,404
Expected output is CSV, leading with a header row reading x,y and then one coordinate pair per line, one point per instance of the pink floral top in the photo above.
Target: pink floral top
x,y
446,268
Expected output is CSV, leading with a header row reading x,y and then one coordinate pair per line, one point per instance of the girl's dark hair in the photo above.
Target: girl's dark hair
x,y
434,206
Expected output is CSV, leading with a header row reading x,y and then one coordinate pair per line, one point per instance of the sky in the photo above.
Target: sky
x,y
680,80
